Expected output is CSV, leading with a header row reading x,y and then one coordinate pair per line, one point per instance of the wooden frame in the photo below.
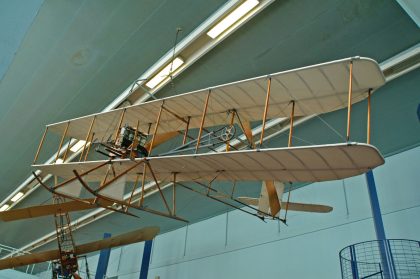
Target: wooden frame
x,y
143,182
90,145
203,118
157,185
40,145
368,117
267,101
349,100
61,141
125,204
119,125
87,137
156,129
67,150
132,191
292,115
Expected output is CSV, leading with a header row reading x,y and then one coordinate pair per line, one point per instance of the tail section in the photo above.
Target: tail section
x,y
270,201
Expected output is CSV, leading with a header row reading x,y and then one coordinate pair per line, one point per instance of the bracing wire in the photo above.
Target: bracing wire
x,y
178,30
323,121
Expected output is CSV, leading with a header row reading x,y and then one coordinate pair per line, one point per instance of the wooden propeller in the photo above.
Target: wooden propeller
x,y
123,239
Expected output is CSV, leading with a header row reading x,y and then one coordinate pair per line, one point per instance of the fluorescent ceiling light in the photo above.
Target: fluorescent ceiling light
x,y
17,197
4,207
165,72
59,161
77,146
233,17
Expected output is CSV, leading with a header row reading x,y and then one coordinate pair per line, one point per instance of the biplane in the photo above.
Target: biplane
x,y
215,142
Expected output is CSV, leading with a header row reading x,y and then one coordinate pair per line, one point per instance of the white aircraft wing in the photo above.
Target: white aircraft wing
x,y
296,164
315,89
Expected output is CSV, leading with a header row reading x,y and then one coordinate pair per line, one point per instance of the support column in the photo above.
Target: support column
x,y
146,259
103,261
386,259
353,263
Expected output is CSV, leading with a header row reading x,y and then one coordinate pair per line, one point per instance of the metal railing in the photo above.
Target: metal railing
x,y
365,259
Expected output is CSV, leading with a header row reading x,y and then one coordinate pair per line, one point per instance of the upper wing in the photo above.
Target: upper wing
x,y
315,89
124,239
296,164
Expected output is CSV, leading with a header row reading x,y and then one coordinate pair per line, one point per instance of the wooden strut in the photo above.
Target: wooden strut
x,y
290,145
135,142
87,137
184,140
90,145
246,129
232,119
267,100
132,191
106,176
143,182
157,185
62,140
368,116
123,203
292,114
40,145
203,117
349,100
67,150
119,125
156,129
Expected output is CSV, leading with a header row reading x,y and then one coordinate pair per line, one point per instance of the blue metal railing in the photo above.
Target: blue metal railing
x,y
364,260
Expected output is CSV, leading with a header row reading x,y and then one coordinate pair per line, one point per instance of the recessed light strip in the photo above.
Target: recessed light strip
x,y
4,207
232,18
17,197
165,73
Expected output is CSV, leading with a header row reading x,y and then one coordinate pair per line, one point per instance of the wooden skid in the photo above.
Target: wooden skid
x,y
295,164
